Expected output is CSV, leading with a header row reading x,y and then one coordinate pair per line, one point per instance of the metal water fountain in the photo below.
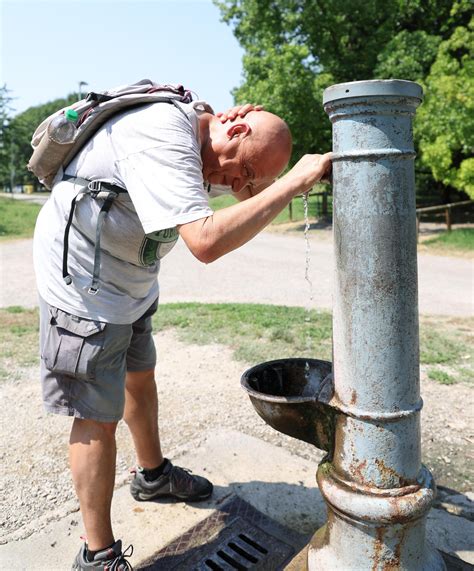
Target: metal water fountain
x,y
365,409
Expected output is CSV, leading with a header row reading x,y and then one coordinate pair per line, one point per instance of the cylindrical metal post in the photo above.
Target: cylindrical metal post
x,y
377,491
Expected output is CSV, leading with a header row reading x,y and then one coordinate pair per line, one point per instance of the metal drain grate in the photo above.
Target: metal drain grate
x,y
236,537
245,548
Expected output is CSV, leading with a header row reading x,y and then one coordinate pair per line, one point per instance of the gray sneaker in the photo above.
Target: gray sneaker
x,y
112,559
175,482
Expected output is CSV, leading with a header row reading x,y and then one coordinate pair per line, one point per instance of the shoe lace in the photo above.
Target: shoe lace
x,y
181,478
120,563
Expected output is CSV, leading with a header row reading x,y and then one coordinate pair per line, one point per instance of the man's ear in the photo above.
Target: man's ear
x,y
238,130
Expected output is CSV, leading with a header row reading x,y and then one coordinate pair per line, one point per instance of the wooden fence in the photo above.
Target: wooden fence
x,y
323,208
447,212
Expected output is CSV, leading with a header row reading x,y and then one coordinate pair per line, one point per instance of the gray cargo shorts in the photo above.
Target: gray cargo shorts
x,y
84,362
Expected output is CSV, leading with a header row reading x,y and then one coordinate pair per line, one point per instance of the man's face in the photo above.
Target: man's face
x,y
228,165
246,154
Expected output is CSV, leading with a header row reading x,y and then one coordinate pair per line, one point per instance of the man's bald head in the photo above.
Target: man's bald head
x,y
269,141
251,150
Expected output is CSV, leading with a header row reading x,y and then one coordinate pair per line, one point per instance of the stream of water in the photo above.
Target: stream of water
x,y
307,278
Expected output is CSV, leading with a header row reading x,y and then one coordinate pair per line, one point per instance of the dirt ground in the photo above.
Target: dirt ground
x,y
199,393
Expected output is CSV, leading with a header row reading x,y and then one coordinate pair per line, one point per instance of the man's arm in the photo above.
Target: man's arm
x,y
227,229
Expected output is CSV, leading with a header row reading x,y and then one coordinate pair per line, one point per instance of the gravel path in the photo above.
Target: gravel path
x,y
269,269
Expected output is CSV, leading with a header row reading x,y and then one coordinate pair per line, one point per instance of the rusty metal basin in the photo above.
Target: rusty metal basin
x,y
291,395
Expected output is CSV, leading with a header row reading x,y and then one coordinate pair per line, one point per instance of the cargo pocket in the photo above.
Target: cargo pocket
x,y
73,345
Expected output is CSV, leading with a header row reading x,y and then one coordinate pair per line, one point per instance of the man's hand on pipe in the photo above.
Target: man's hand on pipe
x,y
309,170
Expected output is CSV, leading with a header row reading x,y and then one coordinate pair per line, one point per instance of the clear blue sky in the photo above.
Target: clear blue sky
x,y
48,46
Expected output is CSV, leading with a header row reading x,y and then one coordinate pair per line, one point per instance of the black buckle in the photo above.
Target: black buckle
x,y
95,185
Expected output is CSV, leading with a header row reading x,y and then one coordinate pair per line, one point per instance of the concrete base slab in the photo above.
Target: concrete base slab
x,y
280,485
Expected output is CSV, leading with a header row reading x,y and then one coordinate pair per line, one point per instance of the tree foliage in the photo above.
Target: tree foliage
x,y
18,133
409,55
296,48
445,122
5,133
295,93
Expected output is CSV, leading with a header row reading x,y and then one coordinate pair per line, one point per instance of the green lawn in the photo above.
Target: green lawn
x,y
17,218
256,333
458,239
314,206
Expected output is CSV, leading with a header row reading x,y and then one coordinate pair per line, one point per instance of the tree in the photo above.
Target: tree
x,y
6,149
409,55
295,94
445,124
296,48
22,127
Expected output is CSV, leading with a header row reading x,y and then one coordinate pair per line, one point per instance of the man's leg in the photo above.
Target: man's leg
x,y
92,453
155,478
141,416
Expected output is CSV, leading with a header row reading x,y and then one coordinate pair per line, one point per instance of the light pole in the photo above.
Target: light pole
x,y
81,84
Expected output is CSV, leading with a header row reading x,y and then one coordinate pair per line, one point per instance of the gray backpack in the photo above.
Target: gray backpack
x,y
50,158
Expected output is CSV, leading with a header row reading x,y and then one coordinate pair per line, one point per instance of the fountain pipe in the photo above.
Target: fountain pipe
x,y
377,491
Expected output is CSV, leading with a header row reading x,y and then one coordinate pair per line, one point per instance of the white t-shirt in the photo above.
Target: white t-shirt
x,y
154,152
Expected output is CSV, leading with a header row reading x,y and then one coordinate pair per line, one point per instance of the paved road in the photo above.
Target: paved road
x,y
269,269
35,197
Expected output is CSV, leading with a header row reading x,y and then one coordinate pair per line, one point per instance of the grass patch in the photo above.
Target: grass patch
x,y
17,218
314,206
15,309
220,202
458,239
466,375
441,377
261,332
437,347
19,329
256,333
314,209
448,341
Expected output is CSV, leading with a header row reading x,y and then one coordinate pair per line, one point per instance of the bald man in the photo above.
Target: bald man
x,y
98,283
